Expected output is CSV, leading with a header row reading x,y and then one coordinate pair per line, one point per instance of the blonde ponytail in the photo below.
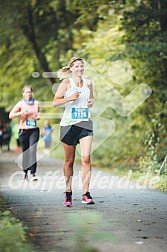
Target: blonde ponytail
x,y
64,72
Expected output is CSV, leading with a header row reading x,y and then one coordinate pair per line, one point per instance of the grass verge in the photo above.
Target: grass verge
x,y
13,233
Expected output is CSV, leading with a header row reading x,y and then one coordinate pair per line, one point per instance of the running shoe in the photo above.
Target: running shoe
x,y
87,199
68,199
33,177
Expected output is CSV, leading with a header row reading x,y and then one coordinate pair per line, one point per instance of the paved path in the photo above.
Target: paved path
x,y
130,217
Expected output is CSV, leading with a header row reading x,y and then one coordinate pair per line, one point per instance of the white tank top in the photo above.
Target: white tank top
x,y
76,111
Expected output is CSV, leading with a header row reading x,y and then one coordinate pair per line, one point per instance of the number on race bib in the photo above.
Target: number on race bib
x,y
31,123
79,113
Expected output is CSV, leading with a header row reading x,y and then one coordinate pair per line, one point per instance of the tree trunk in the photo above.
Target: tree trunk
x,y
162,6
30,34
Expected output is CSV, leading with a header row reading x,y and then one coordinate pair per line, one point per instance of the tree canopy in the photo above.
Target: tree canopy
x,y
41,36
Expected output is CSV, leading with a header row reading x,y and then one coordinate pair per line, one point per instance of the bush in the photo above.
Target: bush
x,y
13,234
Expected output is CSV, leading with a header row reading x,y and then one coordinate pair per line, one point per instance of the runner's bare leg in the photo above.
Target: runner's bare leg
x,y
69,152
85,147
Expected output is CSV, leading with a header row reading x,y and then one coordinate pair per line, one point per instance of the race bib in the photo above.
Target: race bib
x,y
79,113
31,123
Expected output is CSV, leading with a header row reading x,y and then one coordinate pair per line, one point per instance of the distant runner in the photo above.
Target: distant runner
x,y
28,110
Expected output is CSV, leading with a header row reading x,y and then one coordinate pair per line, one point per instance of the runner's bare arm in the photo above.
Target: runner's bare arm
x,y
17,111
59,98
91,97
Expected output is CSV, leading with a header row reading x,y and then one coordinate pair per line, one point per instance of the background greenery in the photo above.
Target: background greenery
x,y
41,36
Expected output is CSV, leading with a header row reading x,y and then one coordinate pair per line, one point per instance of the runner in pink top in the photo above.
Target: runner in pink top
x,y
28,111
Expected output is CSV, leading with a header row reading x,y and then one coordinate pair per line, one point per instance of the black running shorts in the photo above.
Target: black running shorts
x,y
71,134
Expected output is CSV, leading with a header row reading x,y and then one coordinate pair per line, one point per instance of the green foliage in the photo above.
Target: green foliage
x,y
153,158
150,160
38,36
12,234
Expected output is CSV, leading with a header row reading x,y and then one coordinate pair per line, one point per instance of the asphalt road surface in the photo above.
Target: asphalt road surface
x,y
126,216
